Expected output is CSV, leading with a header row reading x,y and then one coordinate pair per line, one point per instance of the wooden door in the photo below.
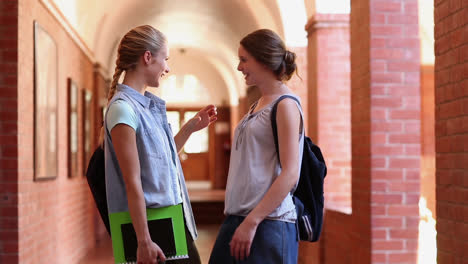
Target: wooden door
x,y
194,156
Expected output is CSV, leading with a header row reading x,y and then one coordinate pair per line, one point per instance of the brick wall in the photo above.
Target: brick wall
x,y
330,111
55,217
329,125
451,91
8,132
385,139
395,130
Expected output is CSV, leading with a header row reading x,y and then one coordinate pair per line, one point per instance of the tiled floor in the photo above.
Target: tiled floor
x,y
206,238
102,254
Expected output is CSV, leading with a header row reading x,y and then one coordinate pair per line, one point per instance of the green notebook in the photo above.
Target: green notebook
x,y
167,229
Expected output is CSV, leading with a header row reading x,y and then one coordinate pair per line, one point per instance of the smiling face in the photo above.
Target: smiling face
x,y
254,72
157,66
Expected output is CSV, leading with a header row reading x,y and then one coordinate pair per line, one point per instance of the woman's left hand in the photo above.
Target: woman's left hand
x,y
242,239
203,118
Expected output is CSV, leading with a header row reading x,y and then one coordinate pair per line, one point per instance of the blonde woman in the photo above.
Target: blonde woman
x,y
142,166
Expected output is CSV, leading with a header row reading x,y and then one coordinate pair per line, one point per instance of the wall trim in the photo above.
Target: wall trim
x,y
63,21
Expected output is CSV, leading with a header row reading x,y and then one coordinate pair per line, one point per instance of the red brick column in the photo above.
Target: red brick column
x,y
329,111
451,102
8,131
385,103
329,125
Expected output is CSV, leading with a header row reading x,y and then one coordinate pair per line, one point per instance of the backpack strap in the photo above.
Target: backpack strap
x,y
274,126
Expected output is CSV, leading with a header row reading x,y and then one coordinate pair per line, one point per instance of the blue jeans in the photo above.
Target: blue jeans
x,y
275,242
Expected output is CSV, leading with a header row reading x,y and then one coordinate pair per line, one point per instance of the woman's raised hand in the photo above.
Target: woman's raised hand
x,y
203,118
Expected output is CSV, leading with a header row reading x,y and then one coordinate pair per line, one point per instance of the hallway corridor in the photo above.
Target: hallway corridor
x,y
384,92
102,253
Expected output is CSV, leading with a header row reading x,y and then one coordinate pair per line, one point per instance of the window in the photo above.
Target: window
x,y
184,90
174,120
198,141
181,89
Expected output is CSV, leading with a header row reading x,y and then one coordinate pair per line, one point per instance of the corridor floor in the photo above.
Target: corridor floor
x,y
102,254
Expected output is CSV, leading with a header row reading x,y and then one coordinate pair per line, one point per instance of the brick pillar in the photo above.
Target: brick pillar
x,y
329,122
329,111
451,102
385,103
8,131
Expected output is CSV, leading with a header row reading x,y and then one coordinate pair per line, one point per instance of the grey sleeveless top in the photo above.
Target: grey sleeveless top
x,y
254,166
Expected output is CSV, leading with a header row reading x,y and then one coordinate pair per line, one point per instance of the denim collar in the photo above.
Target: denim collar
x,y
144,100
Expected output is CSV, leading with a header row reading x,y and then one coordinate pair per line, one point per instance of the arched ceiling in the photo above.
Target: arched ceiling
x,y
206,72
211,27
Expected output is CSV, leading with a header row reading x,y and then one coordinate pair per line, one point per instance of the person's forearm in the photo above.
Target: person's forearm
x,y
137,209
183,135
274,196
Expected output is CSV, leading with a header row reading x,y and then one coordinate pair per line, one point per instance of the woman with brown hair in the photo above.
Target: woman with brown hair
x,y
260,223
141,162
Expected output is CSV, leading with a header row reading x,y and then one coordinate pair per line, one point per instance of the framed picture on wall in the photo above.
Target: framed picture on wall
x,y
45,104
87,99
72,128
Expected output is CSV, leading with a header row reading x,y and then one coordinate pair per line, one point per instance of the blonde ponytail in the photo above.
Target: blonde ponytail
x,y
115,80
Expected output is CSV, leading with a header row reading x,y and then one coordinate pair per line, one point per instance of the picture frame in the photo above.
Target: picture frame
x,y
86,126
45,137
73,150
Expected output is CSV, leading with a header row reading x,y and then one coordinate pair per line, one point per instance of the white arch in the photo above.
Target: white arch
x,y
211,26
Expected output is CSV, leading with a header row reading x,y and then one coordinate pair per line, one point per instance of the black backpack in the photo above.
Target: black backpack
x,y
308,196
95,174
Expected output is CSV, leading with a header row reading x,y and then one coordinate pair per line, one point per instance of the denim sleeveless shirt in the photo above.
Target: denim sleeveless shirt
x,y
254,166
161,172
